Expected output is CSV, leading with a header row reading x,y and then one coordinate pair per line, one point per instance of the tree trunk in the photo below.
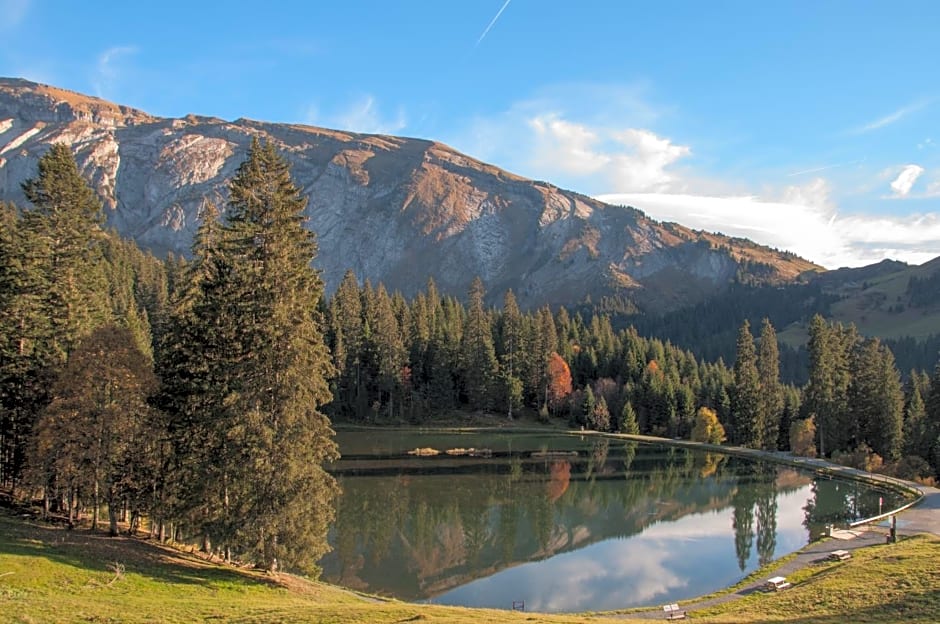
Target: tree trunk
x,y
94,512
113,512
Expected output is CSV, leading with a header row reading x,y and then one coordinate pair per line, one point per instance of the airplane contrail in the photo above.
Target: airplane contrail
x,y
817,169
493,21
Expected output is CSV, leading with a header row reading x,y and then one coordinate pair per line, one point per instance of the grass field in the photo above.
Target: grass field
x,y
49,574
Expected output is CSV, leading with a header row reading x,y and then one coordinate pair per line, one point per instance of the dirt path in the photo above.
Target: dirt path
x,y
814,553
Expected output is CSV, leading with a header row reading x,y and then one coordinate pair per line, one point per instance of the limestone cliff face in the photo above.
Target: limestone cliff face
x,y
395,210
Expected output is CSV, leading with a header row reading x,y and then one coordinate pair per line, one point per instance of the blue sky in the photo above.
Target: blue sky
x,y
811,126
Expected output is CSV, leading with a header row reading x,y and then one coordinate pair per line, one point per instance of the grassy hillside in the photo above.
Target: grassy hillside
x,y
878,302
887,583
49,574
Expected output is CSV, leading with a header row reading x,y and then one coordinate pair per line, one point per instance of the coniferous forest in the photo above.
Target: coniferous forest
x,y
199,393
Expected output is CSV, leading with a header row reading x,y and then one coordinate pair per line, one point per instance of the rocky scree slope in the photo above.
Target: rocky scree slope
x,y
394,210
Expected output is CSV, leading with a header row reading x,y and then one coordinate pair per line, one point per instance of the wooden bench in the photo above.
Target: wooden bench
x,y
840,555
673,612
777,583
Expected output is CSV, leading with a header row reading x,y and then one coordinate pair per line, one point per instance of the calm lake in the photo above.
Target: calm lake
x,y
566,523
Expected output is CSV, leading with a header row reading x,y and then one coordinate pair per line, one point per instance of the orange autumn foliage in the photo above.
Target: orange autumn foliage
x,y
559,379
560,478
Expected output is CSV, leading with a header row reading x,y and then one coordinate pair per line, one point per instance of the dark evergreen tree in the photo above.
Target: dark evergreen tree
x,y
932,421
65,221
875,400
385,349
588,404
260,377
510,351
746,399
628,423
825,397
771,392
916,440
789,415
478,356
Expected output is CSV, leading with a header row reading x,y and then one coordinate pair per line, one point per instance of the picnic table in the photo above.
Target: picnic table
x,y
840,555
673,612
776,583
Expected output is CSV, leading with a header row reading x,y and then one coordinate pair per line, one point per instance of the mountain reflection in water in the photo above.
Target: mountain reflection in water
x,y
565,523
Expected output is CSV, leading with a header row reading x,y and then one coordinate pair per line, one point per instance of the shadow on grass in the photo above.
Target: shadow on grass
x,y
918,606
83,549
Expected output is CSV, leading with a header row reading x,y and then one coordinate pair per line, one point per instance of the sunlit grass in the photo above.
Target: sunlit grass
x,y
885,583
53,575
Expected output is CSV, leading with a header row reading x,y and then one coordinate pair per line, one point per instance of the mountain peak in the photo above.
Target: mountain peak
x,y
54,104
396,210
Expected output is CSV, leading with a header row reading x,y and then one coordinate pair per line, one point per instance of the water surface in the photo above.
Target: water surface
x,y
566,523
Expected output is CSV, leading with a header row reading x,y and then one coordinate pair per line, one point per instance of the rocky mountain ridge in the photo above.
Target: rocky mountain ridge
x,y
395,210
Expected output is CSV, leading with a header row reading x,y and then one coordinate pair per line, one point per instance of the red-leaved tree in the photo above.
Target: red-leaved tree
x,y
559,381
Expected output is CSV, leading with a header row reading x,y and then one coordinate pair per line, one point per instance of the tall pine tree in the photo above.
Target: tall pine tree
x,y
771,392
263,376
746,400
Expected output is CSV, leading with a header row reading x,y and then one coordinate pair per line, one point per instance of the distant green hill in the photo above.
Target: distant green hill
x,y
894,301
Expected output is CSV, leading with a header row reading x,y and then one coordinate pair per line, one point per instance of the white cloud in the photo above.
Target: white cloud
x,y
108,69
556,115
615,152
906,179
802,221
891,118
362,115
625,160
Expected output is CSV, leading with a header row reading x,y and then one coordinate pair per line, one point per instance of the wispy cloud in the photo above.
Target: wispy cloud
x,y
13,12
362,115
823,168
108,69
492,22
891,118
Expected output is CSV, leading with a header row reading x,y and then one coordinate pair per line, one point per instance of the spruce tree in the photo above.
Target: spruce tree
x,y
746,400
282,366
263,376
628,423
478,355
586,417
66,223
916,441
27,361
346,324
875,400
771,392
510,353
385,347
826,393
932,421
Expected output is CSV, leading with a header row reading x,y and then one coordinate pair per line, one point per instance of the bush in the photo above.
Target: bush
x,y
862,458
803,437
707,428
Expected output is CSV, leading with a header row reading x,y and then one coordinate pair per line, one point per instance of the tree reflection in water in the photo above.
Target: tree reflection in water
x,y
418,527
